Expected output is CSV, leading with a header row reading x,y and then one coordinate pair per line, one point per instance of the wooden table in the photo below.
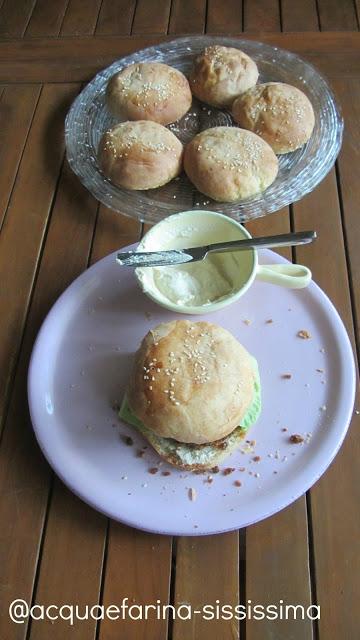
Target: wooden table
x,y
54,548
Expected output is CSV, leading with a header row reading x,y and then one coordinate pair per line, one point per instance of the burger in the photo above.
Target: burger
x,y
193,393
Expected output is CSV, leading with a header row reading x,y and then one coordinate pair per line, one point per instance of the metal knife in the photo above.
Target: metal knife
x,y
194,254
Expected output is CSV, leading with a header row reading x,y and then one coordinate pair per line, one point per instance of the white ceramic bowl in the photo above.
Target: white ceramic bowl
x,y
221,278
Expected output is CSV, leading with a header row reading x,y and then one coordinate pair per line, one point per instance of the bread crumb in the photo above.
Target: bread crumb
x,y
256,458
270,321
247,321
153,470
228,470
286,376
284,429
166,473
237,483
295,438
304,334
192,494
215,469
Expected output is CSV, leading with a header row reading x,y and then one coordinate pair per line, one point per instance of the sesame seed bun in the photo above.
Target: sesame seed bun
x,y
220,74
140,155
149,91
280,113
192,382
229,164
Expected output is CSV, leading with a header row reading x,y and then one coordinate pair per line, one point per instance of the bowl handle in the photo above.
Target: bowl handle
x,y
292,276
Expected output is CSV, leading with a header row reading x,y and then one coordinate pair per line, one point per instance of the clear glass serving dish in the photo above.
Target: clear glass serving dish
x,y
299,172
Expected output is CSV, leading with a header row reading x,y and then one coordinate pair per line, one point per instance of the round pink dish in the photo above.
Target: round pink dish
x,y
79,371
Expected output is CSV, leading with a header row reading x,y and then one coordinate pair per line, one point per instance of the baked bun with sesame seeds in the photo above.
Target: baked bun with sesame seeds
x,y
280,113
149,91
229,164
192,386
140,155
220,74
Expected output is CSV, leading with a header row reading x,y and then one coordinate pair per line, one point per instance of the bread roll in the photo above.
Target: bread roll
x,y
220,74
229,164
279,113
192,381
149,91
140,155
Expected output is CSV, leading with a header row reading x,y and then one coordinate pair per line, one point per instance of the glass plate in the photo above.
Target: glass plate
x,y
299,172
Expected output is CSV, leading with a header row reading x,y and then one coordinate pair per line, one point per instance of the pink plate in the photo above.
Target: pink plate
x,y
80,367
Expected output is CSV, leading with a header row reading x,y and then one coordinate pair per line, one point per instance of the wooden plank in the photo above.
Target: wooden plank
x,y
80,18
299,16
113,231
187,16
24,475
224,17
17,108
138,564
214,560
14,17
274,223
262,15
357,9
115,17
348,92
207,570
274,569
46,18
151,16
25,223
78,59
277,567
337,16
335,517
138,568
71,564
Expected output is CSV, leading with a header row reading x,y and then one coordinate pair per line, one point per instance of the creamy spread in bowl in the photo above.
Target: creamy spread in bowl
x,y
199,287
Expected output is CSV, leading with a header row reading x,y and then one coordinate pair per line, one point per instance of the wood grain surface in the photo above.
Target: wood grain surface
x,y
53,547
75,60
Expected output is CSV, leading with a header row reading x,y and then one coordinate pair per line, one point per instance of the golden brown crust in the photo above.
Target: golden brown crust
x,y
192,381
230,164
280,113
149,91
140,155
220,74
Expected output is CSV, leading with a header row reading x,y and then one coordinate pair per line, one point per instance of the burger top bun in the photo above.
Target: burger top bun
x,y
191,381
